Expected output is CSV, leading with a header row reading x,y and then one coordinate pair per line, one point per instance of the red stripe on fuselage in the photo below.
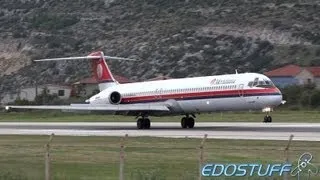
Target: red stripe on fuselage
x,y
234,92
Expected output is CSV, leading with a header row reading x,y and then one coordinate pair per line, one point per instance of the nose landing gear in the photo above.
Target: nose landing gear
x,y
267,118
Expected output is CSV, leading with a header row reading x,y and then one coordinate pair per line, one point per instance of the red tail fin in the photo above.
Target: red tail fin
x,y
101,70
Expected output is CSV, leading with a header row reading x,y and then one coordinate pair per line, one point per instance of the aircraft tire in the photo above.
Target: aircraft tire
x,y
146,123
184,123
190,122
140,123
269,119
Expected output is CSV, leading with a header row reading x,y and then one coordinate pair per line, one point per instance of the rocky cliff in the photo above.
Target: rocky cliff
x,y
177,38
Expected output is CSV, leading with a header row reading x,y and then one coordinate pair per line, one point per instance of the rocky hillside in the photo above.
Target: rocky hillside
x,y
171,37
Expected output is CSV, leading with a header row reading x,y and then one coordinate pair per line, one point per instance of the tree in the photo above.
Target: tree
x,y
292,94
315,99
305,99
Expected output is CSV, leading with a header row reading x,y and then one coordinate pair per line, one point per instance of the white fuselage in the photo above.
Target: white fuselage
x,y
247,91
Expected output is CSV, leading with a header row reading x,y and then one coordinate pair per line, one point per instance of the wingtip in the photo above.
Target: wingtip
x,y
7,108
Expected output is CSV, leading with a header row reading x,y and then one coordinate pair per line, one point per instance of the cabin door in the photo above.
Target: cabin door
x,y
241,90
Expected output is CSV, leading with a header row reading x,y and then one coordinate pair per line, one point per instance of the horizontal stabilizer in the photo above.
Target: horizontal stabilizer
x,y
85,58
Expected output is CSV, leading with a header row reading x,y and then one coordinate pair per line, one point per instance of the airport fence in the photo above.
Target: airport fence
x,y
146,158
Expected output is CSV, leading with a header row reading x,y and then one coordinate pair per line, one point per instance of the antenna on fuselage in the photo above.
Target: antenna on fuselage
x,y
236,71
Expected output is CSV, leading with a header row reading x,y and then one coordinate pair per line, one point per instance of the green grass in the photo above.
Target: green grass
x,y
22,157
56,116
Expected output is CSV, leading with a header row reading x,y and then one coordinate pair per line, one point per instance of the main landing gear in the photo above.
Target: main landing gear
x,y
187,122
143,123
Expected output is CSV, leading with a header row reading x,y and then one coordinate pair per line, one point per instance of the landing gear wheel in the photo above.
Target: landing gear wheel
x,y
143,123
146,123
190,122
267,119
187,122
184,122
140,123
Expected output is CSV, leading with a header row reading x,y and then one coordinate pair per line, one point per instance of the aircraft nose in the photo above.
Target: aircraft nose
x,y
278,90
277,99
282,101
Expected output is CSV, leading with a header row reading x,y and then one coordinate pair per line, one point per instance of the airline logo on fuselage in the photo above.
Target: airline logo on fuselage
x,y
222,81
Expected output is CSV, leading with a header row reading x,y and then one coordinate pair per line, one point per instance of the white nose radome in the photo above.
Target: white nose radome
x,y
276,100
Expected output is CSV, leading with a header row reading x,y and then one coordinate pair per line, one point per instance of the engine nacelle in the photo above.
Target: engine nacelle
x,y
115,98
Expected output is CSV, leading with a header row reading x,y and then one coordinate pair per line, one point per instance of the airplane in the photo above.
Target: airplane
x,y
183,96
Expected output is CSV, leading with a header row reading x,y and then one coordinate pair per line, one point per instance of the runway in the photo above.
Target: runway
x,y
230,130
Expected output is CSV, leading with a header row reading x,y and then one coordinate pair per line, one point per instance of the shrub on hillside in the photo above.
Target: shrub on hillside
x,y
53,22
19,101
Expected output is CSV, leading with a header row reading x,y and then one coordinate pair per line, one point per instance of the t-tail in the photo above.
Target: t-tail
x,y
101,71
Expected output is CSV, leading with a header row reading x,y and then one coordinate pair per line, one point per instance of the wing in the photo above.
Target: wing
x,y
88,107
133,109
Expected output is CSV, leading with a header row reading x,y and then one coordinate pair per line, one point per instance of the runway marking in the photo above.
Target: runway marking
x,y
257,131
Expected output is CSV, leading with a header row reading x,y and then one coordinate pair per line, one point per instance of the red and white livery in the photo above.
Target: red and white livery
x,y
185,96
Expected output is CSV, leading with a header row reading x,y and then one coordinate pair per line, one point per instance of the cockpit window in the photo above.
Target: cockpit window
x,y
269,82
255,82
260,83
